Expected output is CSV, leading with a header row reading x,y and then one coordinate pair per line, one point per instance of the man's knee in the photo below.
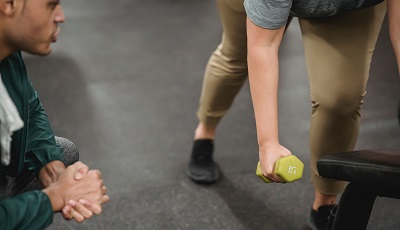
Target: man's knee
x,y
71,152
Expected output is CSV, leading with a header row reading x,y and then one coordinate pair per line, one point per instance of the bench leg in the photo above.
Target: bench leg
x,y
355,206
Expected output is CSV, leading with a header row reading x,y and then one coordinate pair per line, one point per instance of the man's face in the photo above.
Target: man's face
x,y
36,25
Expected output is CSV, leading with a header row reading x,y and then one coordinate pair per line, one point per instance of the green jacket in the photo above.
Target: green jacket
x,y
33,146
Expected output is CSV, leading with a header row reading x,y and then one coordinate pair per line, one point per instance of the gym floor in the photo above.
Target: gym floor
x,y
123,83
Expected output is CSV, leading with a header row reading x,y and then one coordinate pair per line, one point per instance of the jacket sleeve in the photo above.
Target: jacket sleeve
x,y
41,145
31,210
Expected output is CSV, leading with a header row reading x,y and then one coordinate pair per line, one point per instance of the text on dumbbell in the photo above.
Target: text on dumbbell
x,y
292,170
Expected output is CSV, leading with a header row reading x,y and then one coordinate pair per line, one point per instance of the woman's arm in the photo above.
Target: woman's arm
x,y
263,65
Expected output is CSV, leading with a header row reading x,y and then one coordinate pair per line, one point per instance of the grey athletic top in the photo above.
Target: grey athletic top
x,y
273,14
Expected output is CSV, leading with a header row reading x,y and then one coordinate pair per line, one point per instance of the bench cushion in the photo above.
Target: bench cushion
x,y
379,167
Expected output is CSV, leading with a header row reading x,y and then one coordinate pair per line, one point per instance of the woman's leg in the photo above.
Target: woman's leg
x,y
338,53
224,76
226,70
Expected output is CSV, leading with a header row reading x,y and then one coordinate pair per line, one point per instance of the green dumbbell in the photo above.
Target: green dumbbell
x,y
288,169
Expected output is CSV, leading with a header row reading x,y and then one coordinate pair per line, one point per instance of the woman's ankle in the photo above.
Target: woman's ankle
x,y
322,200
204,132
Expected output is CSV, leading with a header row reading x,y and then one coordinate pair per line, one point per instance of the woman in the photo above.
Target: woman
x,y
339,38
224,76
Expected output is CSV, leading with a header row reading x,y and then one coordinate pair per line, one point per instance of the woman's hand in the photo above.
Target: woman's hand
x,y
269,154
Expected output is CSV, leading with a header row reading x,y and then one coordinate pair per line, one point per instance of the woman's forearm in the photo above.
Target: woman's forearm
x,y
263,46
264,90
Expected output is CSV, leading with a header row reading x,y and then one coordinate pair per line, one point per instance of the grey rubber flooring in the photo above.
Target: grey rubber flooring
x,y
123,83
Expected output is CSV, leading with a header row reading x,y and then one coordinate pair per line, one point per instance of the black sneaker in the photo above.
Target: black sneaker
x,y
318,220
202,168
331,218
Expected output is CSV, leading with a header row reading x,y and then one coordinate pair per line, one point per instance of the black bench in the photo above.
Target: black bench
x,y
371,173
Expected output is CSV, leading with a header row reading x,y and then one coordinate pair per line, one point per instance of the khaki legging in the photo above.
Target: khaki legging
x,y
338,54
226,69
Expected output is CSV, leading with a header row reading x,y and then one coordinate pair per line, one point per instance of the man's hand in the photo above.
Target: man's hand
x,y
78,210
66,188
49,173
82,209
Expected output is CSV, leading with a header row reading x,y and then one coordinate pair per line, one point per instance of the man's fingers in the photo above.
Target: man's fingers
x,y
104,189
95,208
81,209
78,217
66,214
81,172
105,199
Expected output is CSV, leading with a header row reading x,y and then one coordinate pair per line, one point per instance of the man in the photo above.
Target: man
x,y
31,26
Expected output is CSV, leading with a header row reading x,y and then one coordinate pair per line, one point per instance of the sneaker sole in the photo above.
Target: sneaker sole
x,y
204,179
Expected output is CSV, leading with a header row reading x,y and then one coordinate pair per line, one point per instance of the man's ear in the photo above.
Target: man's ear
x,y
8,7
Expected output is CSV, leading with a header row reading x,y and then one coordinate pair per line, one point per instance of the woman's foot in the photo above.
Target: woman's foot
x,y
201,167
